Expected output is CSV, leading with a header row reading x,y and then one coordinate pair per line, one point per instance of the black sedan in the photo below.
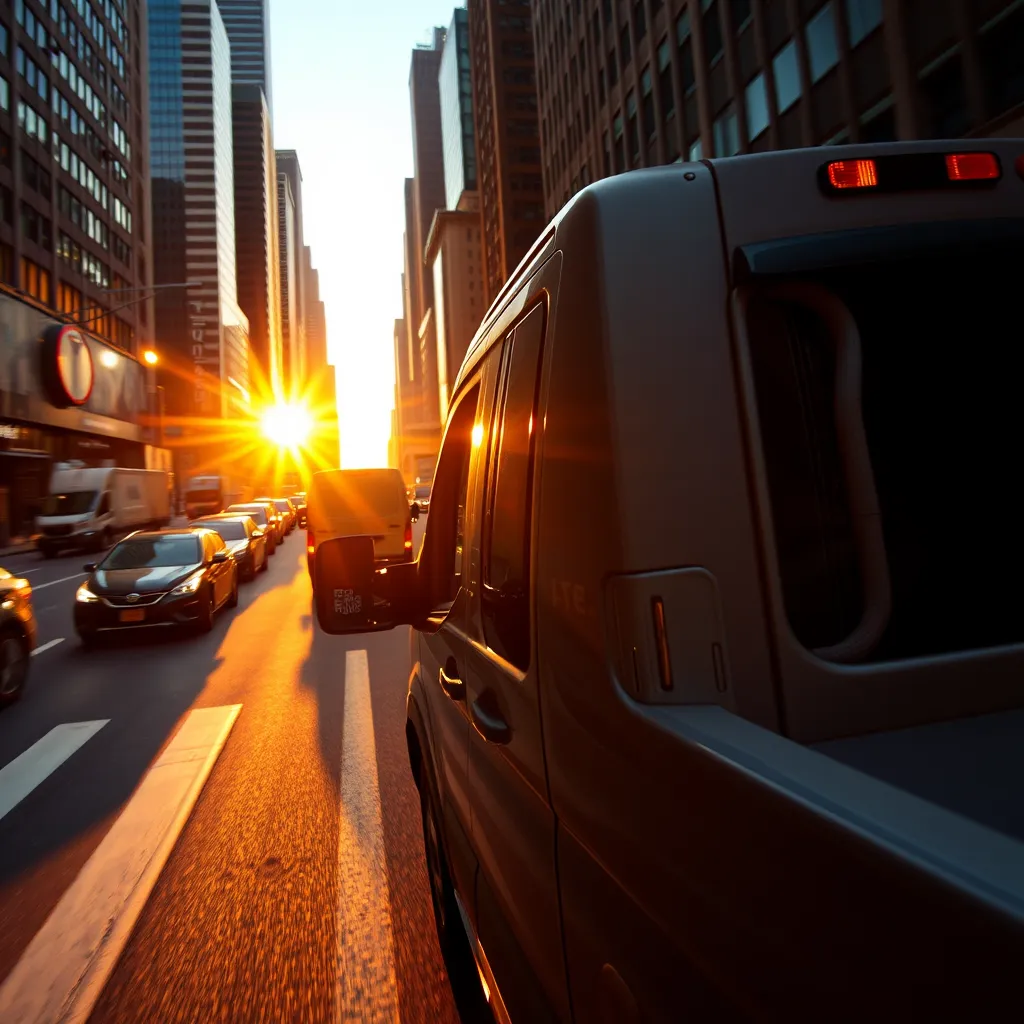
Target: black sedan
x,y
299,501
245,540
157,578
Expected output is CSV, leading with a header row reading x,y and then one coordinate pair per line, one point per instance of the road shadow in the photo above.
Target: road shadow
x,y
143,692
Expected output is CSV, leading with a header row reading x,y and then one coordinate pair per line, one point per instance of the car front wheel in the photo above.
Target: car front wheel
x,y
14,657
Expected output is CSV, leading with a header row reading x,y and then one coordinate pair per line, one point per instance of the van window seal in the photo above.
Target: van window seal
x,y
859,246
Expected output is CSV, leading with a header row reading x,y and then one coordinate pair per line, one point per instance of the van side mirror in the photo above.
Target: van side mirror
x,y
89,567
353,596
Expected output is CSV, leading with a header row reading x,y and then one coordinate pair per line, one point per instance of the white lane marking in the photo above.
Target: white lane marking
x,y
64,968
365,988
44,757
47,646
53,583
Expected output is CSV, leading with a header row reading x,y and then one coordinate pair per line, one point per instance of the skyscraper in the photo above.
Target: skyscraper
x,y
205,338
507,135
257,250
288,164
455,84
290,274
248,27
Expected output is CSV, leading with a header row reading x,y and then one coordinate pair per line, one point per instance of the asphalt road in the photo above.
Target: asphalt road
x,y
294,885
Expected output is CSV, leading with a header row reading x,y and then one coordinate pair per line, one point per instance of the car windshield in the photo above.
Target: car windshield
x,y
152,551
203,495
71,503
282,506
258,512
423,492
227,528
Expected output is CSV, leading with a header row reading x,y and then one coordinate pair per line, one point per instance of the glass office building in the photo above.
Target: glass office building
x,y
456,86
203,332
248,27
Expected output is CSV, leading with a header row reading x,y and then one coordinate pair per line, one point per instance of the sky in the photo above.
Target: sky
x,y
341,99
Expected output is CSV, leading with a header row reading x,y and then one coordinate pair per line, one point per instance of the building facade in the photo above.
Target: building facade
x,y
454,256
257,252
286,219
316,340
204,335
294,330
248,27
75,240
507,135
633,85
455,85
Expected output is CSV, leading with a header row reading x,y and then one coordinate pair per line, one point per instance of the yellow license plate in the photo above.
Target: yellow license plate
x,y
134,615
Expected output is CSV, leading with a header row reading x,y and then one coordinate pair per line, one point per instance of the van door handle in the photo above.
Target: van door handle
x,y
488,720
450,681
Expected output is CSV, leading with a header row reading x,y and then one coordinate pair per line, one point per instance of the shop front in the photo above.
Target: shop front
x,y
63,395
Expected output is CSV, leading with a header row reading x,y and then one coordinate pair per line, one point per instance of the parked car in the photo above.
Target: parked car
x,y
299,501
741,737
285,509
157,579
266,515
17,635
246,541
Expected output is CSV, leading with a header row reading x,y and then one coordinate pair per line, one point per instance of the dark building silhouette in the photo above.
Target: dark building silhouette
x,y
293,335
256,237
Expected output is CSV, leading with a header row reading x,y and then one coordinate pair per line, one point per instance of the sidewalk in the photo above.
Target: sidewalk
x,y
18,546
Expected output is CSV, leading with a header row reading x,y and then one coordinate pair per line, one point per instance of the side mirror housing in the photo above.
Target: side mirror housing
x,y
89,567
221,556
353,596
258,533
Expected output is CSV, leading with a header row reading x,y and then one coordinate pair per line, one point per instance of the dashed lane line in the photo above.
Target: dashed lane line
x,y
365,987
53,583
41,760
63,970
47,646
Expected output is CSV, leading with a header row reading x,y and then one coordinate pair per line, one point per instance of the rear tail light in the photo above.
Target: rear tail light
x,y
853,174
972,166
408,536
310,543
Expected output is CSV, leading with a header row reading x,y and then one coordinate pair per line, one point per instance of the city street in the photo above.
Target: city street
x,y
292,892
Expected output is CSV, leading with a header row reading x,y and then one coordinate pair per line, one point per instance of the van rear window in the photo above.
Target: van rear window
x,y
943,417
352,493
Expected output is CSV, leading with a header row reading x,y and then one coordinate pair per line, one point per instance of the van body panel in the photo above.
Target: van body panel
x,y
361,502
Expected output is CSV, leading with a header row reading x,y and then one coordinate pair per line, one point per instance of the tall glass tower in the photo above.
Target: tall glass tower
x,y
248,26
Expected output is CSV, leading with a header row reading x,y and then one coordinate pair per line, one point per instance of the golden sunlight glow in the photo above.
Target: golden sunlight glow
x,y
288,425
150,357
478,434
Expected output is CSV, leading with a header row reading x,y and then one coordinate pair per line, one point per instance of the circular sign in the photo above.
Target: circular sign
x,y
67,366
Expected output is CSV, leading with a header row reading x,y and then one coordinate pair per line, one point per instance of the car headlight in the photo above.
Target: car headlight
x,y
84,595
190,586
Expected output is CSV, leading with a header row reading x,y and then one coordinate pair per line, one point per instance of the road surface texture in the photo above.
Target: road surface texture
x,y
214,828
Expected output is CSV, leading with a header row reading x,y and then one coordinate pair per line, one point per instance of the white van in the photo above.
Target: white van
x,y
360,502
89,506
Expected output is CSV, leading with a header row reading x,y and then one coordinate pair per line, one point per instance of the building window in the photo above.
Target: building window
x,y
685,43
607,157
712,26
35,281
6,264
647,91
757,107
620,145
35,227
726,133
6,205
625,53
613,68
862,18
639,20
787,76
741,13
822,47
634,133
5,94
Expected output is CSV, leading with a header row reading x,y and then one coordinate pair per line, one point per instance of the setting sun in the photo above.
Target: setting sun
x,y
288,425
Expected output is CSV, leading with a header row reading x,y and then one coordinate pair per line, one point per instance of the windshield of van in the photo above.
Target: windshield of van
x,y
71,503
942,415
202,496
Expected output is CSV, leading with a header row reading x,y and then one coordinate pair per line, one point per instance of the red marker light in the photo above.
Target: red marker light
x,y
408,536
853,174
310,545
972,166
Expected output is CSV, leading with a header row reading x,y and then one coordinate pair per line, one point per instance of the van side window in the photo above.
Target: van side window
x,y
506,544
104,506
447,534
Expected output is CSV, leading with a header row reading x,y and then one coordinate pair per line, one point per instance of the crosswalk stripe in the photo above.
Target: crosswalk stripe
x,y
365,987
42,759
62,971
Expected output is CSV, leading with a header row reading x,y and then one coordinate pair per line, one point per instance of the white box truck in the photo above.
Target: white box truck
x,y
90,506
206,495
